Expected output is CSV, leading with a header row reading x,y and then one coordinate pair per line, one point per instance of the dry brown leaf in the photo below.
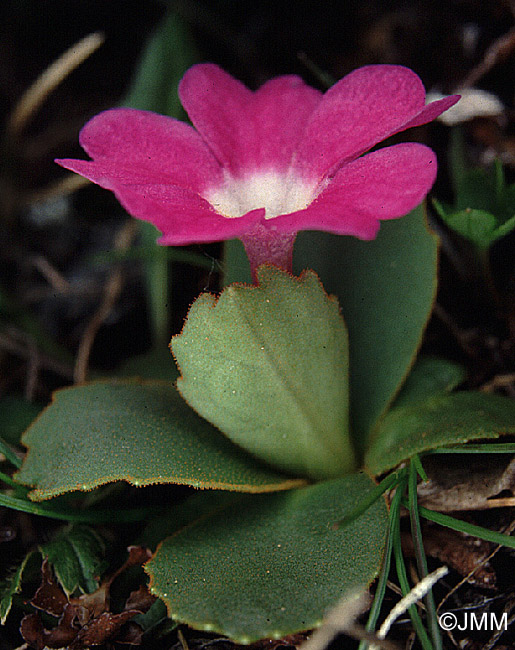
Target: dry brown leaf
x,y
465,482
85,621
49,597
464,554
102,628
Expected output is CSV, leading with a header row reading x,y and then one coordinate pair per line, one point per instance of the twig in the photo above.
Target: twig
x,y
111,293
418,592
34,96
184,643
24,346
500,48
509,529
499,632
464,338
397,590
32,371
504,502
51,274
499,381
342,620
17,344
64,186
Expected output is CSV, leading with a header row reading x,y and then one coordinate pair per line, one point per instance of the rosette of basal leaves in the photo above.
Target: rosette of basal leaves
x,y
256,565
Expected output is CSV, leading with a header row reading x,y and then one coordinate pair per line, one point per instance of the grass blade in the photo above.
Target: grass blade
x,y
418,543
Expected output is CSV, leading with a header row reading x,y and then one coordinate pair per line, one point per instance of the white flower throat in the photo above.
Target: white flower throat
x,y
279,193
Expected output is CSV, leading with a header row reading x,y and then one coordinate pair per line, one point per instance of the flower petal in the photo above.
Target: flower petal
x,y
248,131
384,184
432,111
181,215
216,104
152,144
280,109
107,173
363,108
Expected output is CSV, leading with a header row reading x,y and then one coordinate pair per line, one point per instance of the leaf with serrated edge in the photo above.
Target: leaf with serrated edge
x,y
268,365
76,554
135,431
12,586
439,421
273,564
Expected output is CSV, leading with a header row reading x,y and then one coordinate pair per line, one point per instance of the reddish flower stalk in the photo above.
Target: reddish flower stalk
x,y
260,166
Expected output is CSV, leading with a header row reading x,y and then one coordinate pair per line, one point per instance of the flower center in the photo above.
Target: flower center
x,y
279,193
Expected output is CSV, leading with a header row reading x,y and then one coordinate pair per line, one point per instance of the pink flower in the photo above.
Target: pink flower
x,y
260,166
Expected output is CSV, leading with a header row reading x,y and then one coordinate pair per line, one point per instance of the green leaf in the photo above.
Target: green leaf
x,y
146,252
77,554
268,366
386,289
469,529
157,277
477,226
9,454
236,266
430,376
12,585
156,615
484,209
139,432
16,414
445,419
201,503
485,190
167,56
88,515
157,363
273,565
505,228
